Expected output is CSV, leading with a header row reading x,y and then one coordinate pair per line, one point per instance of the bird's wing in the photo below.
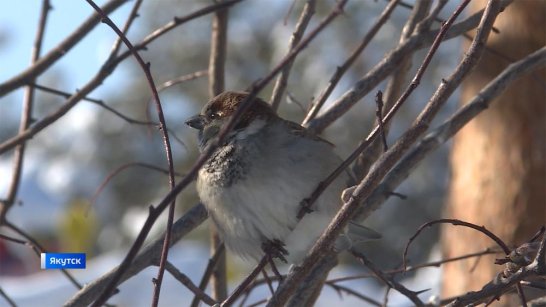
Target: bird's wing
x,y
297,129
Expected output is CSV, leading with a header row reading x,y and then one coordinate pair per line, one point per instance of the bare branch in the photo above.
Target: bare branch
x,y
57,52
282,79
216,72
501,283
366,186
242,286
208,272
411,295
394,87
308,291
186,281
7,298
455,222
163,127
104,72
26,115
410,268
132,16
121,168
354,293
308,202
22,242
147,257
388,65
182,79
444,132
37,247
340,71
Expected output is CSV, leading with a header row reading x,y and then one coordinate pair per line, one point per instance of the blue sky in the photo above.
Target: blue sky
x,y
18,27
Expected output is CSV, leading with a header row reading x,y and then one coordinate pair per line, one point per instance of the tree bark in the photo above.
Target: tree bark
x,y
498,160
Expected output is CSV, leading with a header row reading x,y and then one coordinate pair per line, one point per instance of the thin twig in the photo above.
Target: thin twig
x,y
455,222
218,51
8,299
394,88
282,79
428,20
186,281
172,82
22,242
308,290
502,284
340,71
182,79
132,16
352,292
26,115
411,295
177,21
410,268
274,268
121,168
208,272
247,292
97,102
258,303
242,286
45,62
268,281
285,19
39,249
8,238
63,94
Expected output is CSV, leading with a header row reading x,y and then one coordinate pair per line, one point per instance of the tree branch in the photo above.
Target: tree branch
x,y
216,73
340,71
57,52
147,257
367,185
384,68
282,79
26,115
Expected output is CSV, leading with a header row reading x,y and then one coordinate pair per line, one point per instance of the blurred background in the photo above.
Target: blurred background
x,y
67,162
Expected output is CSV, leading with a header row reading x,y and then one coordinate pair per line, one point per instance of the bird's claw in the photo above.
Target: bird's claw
x,y
275,249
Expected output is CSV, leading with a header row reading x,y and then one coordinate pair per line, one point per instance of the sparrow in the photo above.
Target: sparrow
x,y
254,182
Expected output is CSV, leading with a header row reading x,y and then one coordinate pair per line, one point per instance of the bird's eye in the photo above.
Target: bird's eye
x,y
214,115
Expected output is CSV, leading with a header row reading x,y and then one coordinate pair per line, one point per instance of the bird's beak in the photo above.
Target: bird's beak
x,y
196,122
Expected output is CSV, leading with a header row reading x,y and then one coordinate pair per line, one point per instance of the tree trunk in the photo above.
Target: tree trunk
x,y
499,160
